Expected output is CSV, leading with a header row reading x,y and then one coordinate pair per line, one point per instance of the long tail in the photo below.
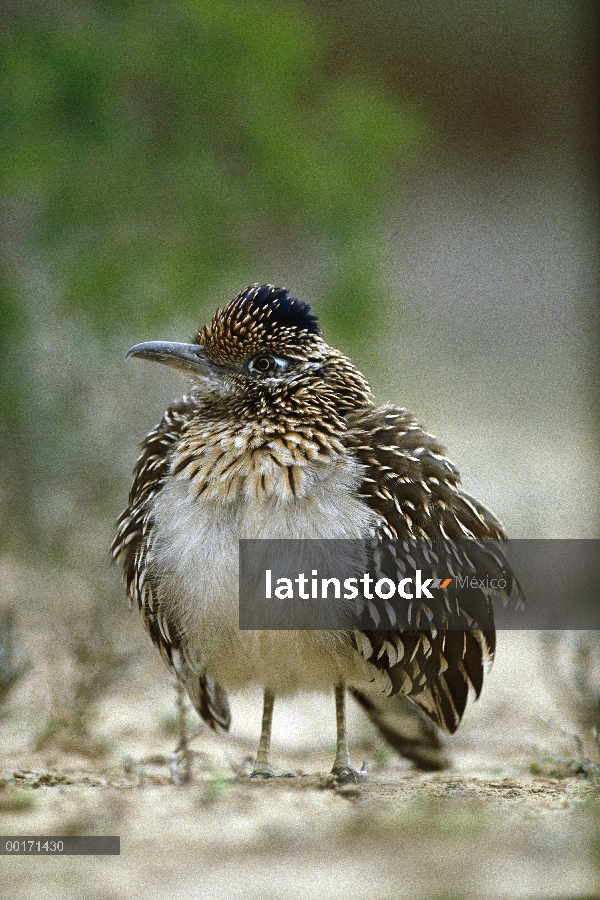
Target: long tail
x,y
405,728
209,700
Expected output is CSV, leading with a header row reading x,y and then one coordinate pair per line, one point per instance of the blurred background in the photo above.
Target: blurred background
x,y
424,173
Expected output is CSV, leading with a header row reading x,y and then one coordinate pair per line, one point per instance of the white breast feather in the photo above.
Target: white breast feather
x,y
195,549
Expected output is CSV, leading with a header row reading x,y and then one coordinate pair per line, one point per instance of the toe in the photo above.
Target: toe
x,y
349,775
262,770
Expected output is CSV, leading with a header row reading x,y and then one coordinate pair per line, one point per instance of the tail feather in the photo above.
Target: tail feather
x,y
405,728
210,701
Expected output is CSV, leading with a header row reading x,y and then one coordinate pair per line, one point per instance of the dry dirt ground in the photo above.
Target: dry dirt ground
x,y
488,826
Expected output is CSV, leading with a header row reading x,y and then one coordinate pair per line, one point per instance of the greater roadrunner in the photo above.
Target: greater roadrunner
x,y
278,437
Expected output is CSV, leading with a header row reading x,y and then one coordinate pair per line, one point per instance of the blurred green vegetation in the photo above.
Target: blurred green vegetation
x,y
155,149
155,156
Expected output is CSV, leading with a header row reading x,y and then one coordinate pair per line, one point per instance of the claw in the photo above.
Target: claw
x,y
180,765
262,770
350,775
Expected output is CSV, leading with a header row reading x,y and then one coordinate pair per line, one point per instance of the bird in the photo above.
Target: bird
x,y
278,437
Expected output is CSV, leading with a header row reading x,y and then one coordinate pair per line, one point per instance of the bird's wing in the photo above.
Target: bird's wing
x,y
415,490
133,547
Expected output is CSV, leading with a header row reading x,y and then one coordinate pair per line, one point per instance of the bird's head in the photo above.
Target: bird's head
x,y
264,348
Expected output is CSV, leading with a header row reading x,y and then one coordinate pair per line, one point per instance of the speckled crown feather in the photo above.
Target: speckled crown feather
x,y
260,317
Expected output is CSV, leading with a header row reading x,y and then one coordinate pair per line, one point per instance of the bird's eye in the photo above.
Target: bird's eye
x,y
266,364
263,364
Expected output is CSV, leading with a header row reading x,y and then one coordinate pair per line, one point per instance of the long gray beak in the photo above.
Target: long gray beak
x,y
188,358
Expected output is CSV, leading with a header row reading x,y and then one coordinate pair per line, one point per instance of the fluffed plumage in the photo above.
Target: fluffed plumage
x,y
279,437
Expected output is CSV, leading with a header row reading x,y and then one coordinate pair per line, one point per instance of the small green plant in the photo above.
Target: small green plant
x,y
169,721
216,785
555,767
15,798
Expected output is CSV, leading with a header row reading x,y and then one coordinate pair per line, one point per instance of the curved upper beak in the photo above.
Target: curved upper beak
x,y
188,358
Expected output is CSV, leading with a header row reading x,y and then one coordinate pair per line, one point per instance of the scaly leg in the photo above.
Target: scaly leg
x,y
182,755
343,771
262,767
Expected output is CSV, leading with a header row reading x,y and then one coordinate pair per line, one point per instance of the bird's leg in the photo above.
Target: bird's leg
x,y
343,771
182,752
262,767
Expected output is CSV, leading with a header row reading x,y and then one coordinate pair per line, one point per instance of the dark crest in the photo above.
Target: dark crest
x,y
281,309
260,317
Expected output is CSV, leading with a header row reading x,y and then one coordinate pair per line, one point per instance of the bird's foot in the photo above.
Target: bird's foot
x,y
262,770
180,765
347,774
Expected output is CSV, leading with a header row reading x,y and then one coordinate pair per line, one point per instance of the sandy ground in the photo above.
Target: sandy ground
x,y
488,826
